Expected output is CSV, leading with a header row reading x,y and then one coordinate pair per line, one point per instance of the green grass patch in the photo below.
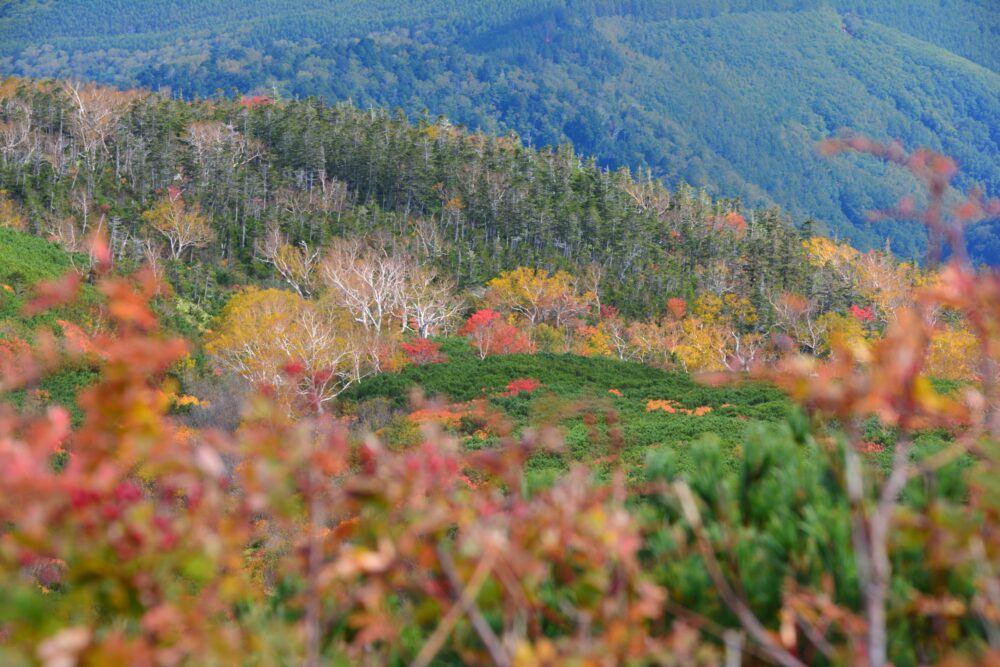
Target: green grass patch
x,y
576,396
25,261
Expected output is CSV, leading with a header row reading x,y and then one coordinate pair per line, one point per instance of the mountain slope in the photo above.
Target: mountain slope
x,y
26,260
727,94
579,385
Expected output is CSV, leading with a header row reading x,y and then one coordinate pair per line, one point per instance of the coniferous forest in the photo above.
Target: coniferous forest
x,y
325,341
730,96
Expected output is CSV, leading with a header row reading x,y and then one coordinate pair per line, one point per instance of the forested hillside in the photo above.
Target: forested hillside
x,y
729,95
303,173
291,383
422,223
324,423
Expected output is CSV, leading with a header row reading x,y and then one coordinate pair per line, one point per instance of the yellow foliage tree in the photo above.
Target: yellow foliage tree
x,y
843,331
702,345
716,334
594,341
954,353
877,277
537,296
821,251
183,227
10,213
303,348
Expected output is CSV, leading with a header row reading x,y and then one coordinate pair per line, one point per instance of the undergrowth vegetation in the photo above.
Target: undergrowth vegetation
x,y
25,261
317,477
601,407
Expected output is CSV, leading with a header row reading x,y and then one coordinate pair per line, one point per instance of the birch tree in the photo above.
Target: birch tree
x,y
183,227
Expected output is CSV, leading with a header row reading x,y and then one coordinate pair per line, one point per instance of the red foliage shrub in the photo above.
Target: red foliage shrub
x,y
677,307
869,447
491,335
861,314
508,339
449,415
526,385
735,223
11,349
75,339
255,101
423,351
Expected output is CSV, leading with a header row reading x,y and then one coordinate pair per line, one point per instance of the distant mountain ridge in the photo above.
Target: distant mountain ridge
x,y
730,95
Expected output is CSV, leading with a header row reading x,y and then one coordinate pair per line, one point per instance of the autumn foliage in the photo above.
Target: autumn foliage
x,y
521,385
837,537
672,407
861,314
423,351
182,225
156,545
887,379
490,334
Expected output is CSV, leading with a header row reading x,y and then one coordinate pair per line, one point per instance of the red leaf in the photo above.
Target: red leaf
x,y
52,293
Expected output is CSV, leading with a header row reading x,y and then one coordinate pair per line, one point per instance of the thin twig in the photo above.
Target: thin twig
x,y
991,589
314,609
469,593
709,626
815,636
876,589
482,627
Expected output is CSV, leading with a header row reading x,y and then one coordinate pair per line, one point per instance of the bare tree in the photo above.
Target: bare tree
x,y
367,281
152,255
217,146
647,195
95,114
798,319
18,142
430,241
591,280
66,233
297,264
745,351
332,356
429,302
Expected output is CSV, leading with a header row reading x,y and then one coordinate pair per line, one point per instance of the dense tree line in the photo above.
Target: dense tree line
x,y
231,177
631,82
399,227
360,229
